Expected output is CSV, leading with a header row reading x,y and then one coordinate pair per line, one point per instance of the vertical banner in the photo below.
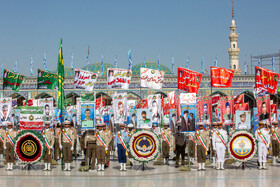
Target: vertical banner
x,y
154,103
133,117
263,104
255,123
204,105
188,80
5,110
144,118
243,120
87,115
273,112
15,117
171,98
173,120
188,118
47,105
120,107
227,109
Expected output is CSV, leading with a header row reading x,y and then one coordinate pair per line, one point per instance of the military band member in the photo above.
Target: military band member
x,y
74,130
90,146
191,146
57,131
213,151
2,138
9,141
263,138
101,146
275,133
166,136
121,140
219,140
108,138
180,146
67,145
202,140
48,135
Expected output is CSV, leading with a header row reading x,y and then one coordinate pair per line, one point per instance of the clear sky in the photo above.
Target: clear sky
x,y
151,28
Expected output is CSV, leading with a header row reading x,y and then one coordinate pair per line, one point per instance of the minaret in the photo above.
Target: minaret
x,y
233,51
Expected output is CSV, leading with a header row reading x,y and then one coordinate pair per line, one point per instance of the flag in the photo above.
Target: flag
x,y
45,62
245,64
116,61
60,75
72,61
15,66
158,63
46,80
129,60
88,59
266,80
102,65
239,99
259,62
216,63
221,77
188,63
201,71
230,64
31,118
273,69
145,62
31,66
2,71
172,62
12,80
188,80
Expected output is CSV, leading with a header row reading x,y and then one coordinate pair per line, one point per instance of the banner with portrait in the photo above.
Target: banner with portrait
x,y
60,117
188,80
242,120
204,105
133,117
15,118
46,80
151,78
144,118
266,80
255,122
173,120
118,78
263,104
31,118
47,105
188,118
221,77
72,113
187,98
131,104
227,109
87,115
120,107
5,110
154,103
84,79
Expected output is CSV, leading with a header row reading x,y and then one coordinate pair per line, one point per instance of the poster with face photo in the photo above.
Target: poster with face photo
x,y
205,109
47,105
242,120
154,103
263,105
227,109
173,120
87,115
144,118
188,118
5,110
120,107
15,117
133,117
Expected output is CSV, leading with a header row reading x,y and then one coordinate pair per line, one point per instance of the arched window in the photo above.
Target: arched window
x,y
234,67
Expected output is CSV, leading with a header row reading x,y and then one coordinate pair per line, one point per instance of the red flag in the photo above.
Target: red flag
x,y
215,99
221,77
266,80
171,98
273,108
188,80
241,106
239,99
99,103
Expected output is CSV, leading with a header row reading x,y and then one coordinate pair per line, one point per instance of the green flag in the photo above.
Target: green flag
x,y
12,80
46,80
60,75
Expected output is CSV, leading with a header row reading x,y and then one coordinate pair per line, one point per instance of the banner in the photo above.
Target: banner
x,y
58,115
47,105
239,99
227,109
221,77
31,118
188,80
12,80
144,118
171,98
173,120
84,79
273,112
187,98
133,117
154,103
151,78
5,110
266,80
215,99
204,105
88,96
120,107
15,117
188,118
118,78
263,104
87,115
218,113
241,106
255,122
46,80
243,120
131,104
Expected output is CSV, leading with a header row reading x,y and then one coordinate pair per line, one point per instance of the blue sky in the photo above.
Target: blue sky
x,y
151,28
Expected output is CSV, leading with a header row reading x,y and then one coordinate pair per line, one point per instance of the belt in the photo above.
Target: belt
x,y
91,142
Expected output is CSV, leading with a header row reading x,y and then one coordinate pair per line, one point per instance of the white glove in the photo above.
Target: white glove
x,y
72,148
60,146
106,149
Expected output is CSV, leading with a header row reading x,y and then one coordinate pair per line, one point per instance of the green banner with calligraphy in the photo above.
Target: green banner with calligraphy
x,y
12,80
46,80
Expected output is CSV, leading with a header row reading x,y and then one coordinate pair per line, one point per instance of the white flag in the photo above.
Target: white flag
x,y
151,78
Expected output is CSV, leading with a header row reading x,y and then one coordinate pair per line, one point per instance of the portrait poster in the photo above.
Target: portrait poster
x,y
154,103
205,109
263,104
133,117
242,120
188,118
118,78
84,79
5,110
15,117
255,122
227,109
120,107
173,120
47,105
144,118
87,115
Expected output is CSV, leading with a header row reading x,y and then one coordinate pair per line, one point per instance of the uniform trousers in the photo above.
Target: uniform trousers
x,y
191,149
67,153
220,149
201,157
91,153
100,154
121,154
165,149
275,148
262,152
